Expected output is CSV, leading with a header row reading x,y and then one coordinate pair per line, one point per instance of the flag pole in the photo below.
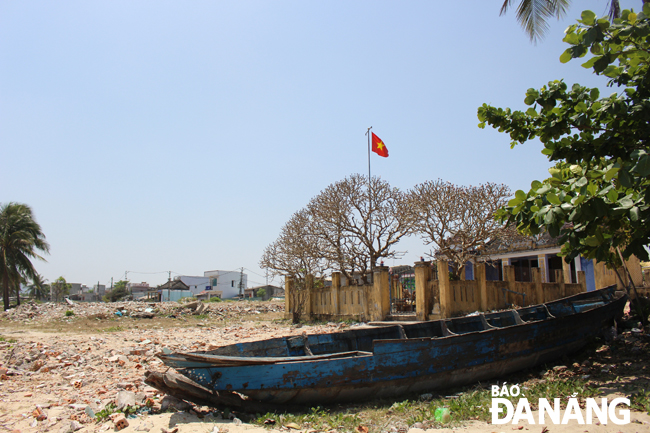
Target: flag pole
x,y
372,264
368,134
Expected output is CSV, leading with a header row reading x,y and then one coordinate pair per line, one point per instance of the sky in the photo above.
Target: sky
x,y
162,136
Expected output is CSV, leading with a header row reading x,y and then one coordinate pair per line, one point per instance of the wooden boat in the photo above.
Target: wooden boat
x,y
392,359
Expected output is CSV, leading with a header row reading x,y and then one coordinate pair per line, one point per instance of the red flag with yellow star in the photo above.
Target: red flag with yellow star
x,y
378,146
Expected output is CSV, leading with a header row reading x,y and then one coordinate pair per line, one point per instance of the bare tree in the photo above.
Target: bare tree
x,y
458,220
359,223
297,254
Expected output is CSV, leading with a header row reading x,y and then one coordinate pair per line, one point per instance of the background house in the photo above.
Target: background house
x,y
81,292
206,295
541,251
138,290
269,292
230,283
196,284
173,291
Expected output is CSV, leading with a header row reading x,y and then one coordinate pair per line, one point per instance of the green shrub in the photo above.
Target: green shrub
x,y
214,299
69,313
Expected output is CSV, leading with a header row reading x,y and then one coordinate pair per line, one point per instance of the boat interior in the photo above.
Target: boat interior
x,y
359,340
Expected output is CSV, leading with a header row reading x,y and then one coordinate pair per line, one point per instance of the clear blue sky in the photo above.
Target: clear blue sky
x,y
154,136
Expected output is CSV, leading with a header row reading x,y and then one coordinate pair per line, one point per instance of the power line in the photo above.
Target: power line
x,y
255,273
152,273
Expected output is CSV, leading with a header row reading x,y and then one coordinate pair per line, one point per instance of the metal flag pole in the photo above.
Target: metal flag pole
x,y
368,134
372,265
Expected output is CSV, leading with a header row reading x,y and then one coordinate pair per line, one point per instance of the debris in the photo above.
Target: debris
x,y
89,411
169,402
49,311
610,334
119,420
124,399
75,425
441,414
39,414
200,308
143,315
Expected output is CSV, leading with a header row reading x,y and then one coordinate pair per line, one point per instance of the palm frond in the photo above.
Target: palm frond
x,y
614,9
21,238
533,15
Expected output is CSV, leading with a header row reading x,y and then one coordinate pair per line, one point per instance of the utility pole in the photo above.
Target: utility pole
x,y
169,288
241,282
126,278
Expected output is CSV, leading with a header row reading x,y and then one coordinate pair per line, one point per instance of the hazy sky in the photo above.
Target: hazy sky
x,y
155,136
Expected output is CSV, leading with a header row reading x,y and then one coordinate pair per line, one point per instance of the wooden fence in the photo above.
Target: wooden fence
x,y
435,295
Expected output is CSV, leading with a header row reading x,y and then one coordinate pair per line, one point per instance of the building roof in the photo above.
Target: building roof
x,y
514,241
174,285
265,287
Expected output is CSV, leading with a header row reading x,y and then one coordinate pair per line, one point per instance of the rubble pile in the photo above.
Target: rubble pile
x,y
61,382
32,312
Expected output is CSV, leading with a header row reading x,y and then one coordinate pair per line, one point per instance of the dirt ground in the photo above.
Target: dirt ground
x,y
59,369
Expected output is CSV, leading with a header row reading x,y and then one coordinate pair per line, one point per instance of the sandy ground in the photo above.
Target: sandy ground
x,y
189,423
76,369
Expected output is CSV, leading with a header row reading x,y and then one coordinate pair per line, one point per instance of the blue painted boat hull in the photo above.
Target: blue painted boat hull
x,y
388,361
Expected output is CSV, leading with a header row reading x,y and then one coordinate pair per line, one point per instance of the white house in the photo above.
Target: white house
x,y
230,283
196,284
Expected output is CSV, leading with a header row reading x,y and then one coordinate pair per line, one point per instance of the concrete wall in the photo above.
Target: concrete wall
x,y
434,298
227,282
196,284
336,302
605,276
457,298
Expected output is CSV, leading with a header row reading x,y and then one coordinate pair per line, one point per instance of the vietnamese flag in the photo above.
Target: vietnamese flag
x,y
378,146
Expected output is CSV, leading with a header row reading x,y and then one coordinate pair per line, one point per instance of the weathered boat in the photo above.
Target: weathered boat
x,y
393,359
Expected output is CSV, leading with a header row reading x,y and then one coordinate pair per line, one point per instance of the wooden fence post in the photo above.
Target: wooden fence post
x,y
559,279
379,302
288,296
539,290
445,290
509,276
582,280
566,270
481,285
423,295
308,296
336,294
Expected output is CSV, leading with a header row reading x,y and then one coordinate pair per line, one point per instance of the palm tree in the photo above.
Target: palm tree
x,y
533,15
38,289
20,239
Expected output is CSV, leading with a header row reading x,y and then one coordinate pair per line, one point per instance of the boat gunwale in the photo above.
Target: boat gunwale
x,y
207,360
